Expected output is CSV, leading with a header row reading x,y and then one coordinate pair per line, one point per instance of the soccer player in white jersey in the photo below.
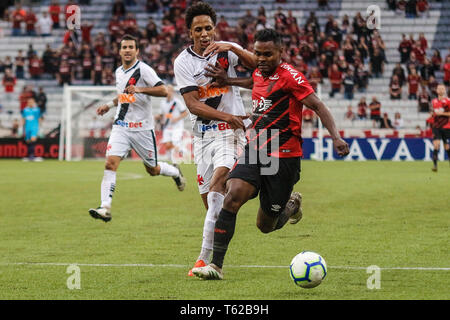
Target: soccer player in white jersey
x,y
217,114
133,124
173,111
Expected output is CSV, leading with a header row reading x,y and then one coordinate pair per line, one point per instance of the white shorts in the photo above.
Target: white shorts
x,y
173,135
210,154
122,141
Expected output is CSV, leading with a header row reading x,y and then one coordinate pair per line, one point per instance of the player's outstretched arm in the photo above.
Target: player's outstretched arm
x,y
157,91
222,79
204,111
247,58
314,103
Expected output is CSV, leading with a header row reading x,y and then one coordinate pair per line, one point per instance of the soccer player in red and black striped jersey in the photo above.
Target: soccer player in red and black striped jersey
x,y
441,123
270,163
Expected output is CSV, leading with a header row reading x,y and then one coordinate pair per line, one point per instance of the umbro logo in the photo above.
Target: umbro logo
x,y
276,207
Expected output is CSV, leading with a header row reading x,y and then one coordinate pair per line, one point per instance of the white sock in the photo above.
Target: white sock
x,y
108,187
215,203
168,170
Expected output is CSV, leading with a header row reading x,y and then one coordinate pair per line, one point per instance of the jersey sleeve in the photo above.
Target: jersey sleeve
x,y
183,77
234,59
150,77
297,84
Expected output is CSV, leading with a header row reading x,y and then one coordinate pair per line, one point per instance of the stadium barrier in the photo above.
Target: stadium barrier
x,y
361,149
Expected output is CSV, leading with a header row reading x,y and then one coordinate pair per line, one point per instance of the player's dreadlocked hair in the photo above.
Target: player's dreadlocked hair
x,y
266,35
200,9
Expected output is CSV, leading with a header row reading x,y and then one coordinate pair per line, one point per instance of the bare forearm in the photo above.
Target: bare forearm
x,y
240,82
328,121
206,112
247,58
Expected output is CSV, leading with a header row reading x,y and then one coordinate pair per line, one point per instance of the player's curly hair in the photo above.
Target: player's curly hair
x,y
200,9
266,35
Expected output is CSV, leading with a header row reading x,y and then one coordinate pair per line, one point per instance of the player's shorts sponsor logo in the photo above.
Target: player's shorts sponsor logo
x,y
221,126
210,91
127,98
128,124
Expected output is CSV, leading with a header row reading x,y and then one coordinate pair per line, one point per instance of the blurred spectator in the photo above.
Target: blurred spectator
x,y
25,95
18,17
413,85
436,60
30,22
249,18
398,121
87,63
7,64
412,62
315,77
118,8
130,26
377,63
9,82
19,62
422,8
411,9
404,48
97,71
349,85
323,4
108,77
55,10
419,52
400,73
401,7
426,71
308,117
375,110
335,77
41,100
86,28
392,4
45,25
35,67
424,100
395,89
446,69
385,122
64,74
350,115
153,6
222,28
47,60
423,41
432,87
362,109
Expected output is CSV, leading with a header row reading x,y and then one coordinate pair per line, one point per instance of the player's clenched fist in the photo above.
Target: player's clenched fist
x,y
102,110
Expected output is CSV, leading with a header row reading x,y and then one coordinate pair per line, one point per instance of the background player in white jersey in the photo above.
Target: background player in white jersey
x,y
133,124
216,114
173,111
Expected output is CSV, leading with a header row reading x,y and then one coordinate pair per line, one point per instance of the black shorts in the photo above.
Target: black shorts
x,y
441,134
274,189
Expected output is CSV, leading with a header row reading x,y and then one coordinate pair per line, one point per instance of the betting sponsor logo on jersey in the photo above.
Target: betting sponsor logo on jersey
x,y
221,126
128,124
127,98
209,91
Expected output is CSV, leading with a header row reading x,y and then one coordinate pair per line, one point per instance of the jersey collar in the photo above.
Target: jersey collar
x,y
131,68
191,52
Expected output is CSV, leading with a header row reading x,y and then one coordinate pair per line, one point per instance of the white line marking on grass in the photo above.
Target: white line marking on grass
x,y
151,265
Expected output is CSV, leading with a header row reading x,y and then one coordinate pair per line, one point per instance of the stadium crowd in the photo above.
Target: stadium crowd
x,y
345,51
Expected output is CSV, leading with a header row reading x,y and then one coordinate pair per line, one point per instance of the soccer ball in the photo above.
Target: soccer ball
x,y
308,269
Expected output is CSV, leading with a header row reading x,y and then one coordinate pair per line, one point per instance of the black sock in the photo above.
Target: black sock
x,y
31,150
283,218
223,232
448,154
435,157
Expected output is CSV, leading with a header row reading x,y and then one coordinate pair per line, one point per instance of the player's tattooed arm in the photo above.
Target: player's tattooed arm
x,y
204,111
315,104
156,91
221,78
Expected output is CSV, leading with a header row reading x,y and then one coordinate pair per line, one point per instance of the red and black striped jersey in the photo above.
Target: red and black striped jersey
x,y
277,109
441,106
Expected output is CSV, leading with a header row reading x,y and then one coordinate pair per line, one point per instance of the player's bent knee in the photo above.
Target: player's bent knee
x,y
153,171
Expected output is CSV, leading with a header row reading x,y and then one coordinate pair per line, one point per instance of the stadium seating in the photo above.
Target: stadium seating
x,y
435,27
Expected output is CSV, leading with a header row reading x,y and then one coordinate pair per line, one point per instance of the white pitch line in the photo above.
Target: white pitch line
x,y
151,265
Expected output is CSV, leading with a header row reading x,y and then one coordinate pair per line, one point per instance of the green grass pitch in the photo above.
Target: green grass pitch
x,y
394,215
